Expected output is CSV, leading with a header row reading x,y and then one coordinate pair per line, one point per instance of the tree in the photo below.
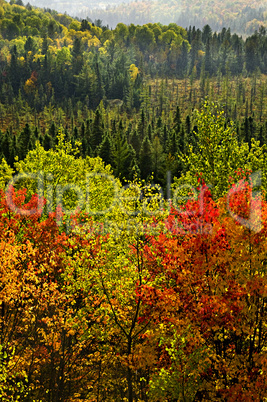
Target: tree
x,y
208,61
97,130
26,141
144,38
122,251
68,181
251,53
9,29
105,150
145,158
40,343
157,159
77,58
29,44
121,154
218,154
207,329
5,174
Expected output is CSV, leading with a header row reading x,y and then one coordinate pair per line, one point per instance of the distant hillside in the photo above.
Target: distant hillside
x,y
82,7
242,16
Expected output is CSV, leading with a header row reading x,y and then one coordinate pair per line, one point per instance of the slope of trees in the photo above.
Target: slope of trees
x,y
243,17
133,211
145,300
125,94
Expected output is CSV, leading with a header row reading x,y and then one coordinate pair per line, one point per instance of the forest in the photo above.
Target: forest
x,y
133,211
242,16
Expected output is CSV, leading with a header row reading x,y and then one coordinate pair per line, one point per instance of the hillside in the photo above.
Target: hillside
x,y
74,7
242,16
133,210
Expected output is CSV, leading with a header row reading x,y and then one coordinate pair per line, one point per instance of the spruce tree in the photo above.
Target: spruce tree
x,y
121,155
145,160
135,142
26,141
141,128
97,131
158,158
13,150
6,147
105,150
47,142
133,169
177,120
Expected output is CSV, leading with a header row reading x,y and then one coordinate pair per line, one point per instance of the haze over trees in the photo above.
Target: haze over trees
x,y
242,16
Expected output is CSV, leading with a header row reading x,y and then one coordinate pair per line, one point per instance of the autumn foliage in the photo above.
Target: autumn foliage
x,y
177,314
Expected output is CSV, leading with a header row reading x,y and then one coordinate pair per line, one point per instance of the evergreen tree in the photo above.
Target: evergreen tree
x,y
177,120
26,141
133,170
121,154
181,141
98,90
47,142
171,147
208,61
145,159
105,150
44,45
97,131
14,70
53,131
157,160
6,147
13,150
141,128
77,59
182,61
164,137
135,142
251,53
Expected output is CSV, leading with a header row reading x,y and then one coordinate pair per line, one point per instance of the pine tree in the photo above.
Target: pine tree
x,y
208,61
177,120
158,158
26,141
182,61
141,128
135,142
146,162
121,154
105,150
6,147
97,131
133,169
181,141
171,147
13,150
47,142
53,131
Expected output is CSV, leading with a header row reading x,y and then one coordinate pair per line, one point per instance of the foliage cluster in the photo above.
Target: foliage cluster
x,y
148,301
110,292
241,16
47,57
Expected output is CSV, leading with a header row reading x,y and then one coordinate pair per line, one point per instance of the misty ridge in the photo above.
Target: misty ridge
x,y
80,8
242,17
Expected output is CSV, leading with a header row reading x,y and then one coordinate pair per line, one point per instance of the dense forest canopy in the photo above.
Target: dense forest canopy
x,y
242,16
133,213
113,90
